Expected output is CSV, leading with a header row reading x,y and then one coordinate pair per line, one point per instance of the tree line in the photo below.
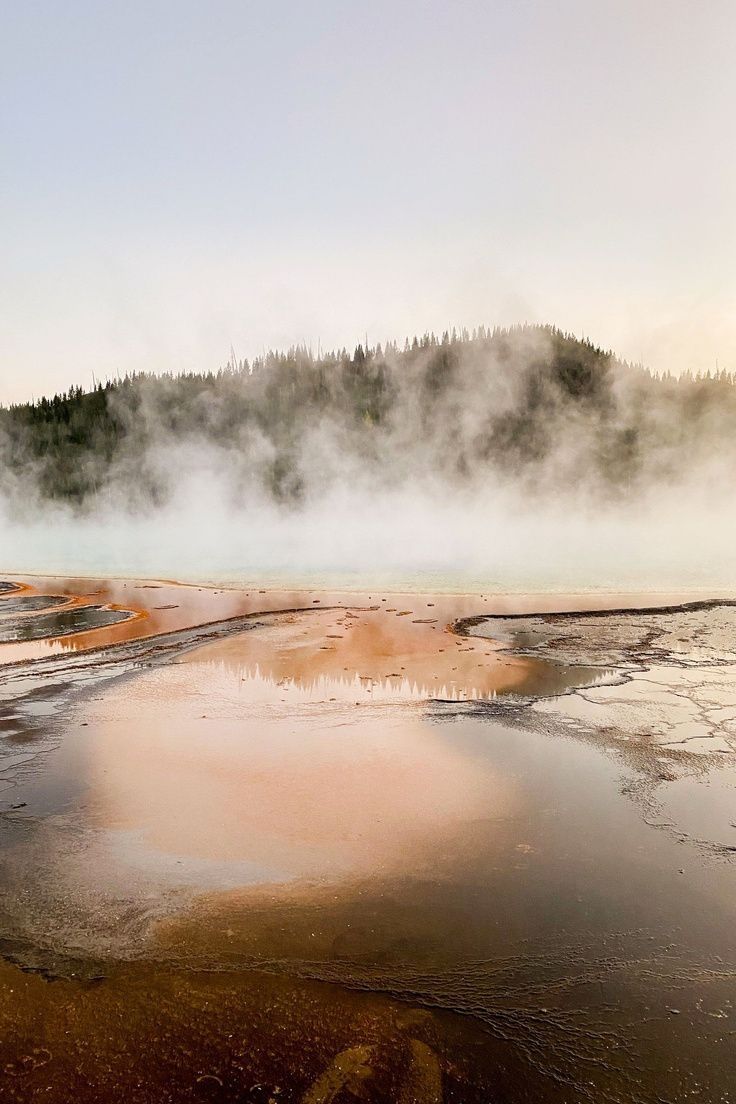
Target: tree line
x,y
526,403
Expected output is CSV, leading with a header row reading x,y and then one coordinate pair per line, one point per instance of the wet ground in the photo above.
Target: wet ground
x,y
327,847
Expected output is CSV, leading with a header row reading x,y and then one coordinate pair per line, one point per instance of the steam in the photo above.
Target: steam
x,y
506,461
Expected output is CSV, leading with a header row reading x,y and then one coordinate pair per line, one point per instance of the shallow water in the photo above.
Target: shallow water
x,y
58,624
30,603
490,853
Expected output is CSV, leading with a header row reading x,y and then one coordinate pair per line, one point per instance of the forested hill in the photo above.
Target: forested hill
x,y
528,403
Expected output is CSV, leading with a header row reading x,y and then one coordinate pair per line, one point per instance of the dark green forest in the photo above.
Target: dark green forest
x,y
529,405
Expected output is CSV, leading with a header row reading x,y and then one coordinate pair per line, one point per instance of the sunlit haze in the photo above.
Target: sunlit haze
x,y
182,178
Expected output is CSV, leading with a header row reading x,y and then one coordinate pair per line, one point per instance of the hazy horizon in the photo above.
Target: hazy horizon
x,y
181,179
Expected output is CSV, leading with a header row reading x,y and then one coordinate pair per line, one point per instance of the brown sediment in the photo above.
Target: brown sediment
x,y
141,1034
173,606
367,640
362,659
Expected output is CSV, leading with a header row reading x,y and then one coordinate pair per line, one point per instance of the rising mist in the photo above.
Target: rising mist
x,y
517,459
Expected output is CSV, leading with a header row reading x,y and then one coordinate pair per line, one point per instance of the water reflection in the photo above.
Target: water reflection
x,y
291,798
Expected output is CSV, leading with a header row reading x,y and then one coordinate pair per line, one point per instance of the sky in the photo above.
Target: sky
x,y
177,178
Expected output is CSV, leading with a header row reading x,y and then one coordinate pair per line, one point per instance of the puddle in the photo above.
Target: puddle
x,y
63,623
346,814
30,603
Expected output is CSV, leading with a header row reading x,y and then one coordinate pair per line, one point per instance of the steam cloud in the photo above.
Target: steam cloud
x,y
511,460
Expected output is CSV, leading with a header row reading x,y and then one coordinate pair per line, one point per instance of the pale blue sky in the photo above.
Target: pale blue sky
x,y
177,177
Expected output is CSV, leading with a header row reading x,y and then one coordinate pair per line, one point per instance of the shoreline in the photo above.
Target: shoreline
x,y
676,597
